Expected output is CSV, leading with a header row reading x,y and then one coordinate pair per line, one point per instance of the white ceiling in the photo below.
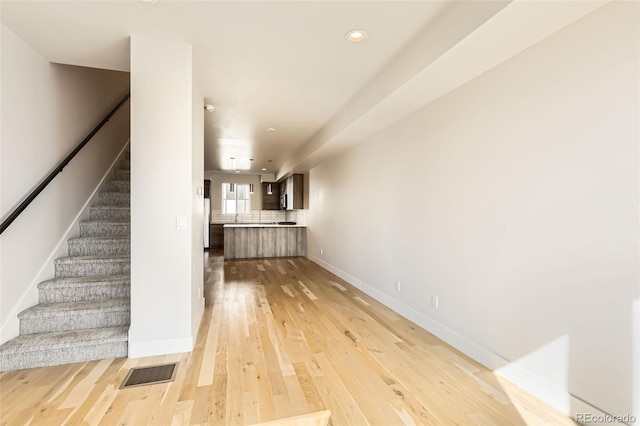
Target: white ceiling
x,y
287,64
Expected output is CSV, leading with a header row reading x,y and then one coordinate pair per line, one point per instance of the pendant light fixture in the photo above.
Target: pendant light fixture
x,y
269,189
231,187
250,188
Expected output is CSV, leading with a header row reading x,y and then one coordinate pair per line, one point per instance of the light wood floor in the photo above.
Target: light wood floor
x,y
282,339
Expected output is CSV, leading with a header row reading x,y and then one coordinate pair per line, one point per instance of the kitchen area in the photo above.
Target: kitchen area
x,y
253,216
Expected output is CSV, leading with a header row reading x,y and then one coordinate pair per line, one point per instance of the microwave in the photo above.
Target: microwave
x,y
283,202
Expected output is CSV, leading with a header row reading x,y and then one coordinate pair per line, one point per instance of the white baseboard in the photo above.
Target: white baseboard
x,y
160,347
336,271
29,298
538,386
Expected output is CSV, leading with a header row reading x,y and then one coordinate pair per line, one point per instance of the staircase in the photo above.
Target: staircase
x,y
84,312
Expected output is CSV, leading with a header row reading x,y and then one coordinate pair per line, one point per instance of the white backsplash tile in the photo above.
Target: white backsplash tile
x,y
255,216
297,216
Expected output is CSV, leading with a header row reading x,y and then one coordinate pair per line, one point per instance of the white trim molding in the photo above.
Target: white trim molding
x,y
160,347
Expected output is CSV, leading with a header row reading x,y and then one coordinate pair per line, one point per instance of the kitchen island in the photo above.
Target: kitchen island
x,y
252,240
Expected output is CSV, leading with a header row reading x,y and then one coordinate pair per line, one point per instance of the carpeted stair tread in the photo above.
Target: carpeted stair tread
x,y
115,208
84,266
65,339
114,193
122,174
103,213
114,198
96,259
99,245
106,221
122,186
114,238
79,289
105,228
67,316
73,282
68,308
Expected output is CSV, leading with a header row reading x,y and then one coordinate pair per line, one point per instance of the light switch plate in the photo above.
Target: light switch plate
x,y
181,222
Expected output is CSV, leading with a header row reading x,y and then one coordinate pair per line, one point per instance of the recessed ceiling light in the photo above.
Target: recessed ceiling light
x,y
237,171
271,129
356,36
209,107
264,169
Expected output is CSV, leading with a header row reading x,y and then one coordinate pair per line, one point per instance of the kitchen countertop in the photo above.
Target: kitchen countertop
x,y
261,225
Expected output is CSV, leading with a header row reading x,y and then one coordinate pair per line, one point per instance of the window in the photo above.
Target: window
x,y
236,198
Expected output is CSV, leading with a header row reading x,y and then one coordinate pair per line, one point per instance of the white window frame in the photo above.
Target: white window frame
x,y
238,201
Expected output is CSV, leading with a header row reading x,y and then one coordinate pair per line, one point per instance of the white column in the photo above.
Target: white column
x,y
162,198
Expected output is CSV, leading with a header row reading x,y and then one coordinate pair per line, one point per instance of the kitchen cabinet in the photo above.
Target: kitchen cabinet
x,y
264,240
271,202
294,188
216,235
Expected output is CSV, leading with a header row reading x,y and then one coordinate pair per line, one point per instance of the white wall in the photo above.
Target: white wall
x,y
46,111
514,199
163,189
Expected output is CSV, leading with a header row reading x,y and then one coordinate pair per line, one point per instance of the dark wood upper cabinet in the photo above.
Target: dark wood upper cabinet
x,y
270,201
292,187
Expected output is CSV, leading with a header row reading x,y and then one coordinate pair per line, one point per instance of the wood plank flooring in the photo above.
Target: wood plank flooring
x,y
282,342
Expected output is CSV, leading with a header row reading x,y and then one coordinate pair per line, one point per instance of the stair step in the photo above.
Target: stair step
x,y
105,228
85,266
125,163
84,289
67,316
43,350
107,198
110,213
118,186
99,246
122,174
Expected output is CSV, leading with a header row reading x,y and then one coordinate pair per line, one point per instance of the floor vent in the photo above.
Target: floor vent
x,y
150,375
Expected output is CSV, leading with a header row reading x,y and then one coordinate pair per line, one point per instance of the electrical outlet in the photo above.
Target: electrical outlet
x,y
435,302
398,285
